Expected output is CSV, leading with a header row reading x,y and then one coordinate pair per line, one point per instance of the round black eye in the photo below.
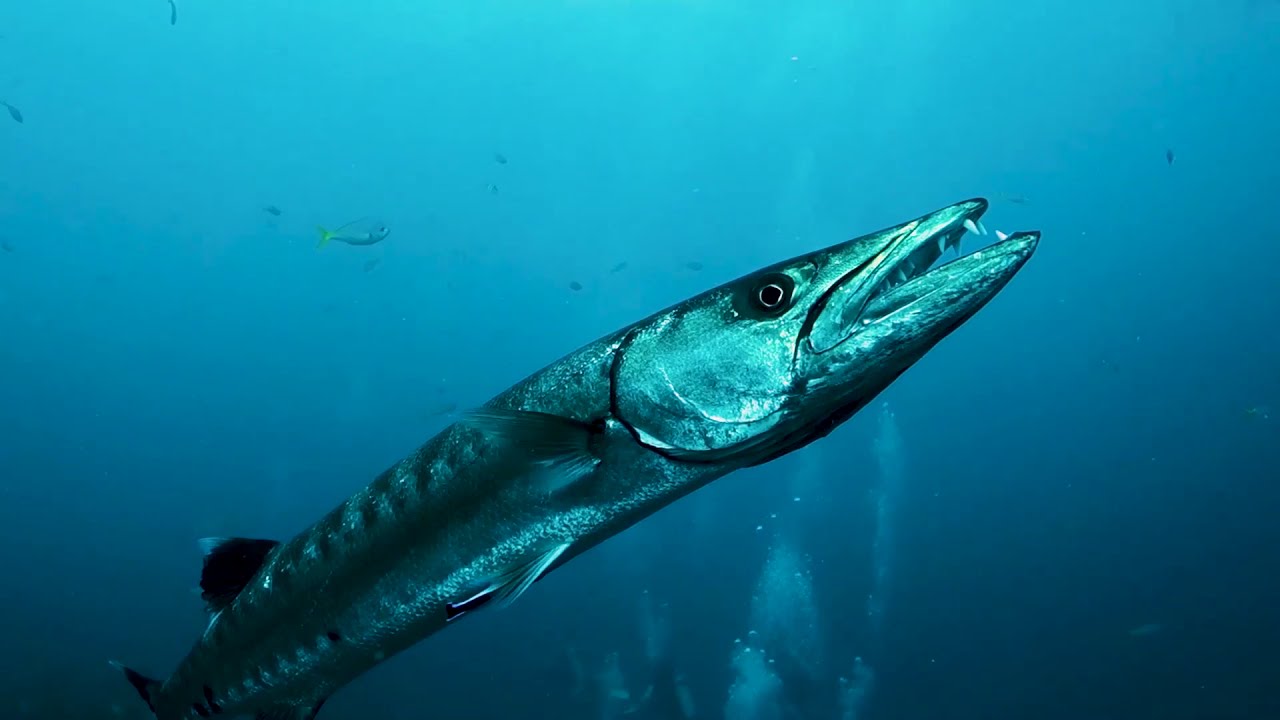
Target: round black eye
x,y
772,293
771,296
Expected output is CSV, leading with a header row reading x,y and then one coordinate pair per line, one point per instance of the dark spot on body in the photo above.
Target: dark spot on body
x,y
282,578
369,512
398,502
324,545
333,636
208,697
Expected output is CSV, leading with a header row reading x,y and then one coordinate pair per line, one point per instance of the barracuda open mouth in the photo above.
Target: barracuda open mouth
x,y
923,257
907,268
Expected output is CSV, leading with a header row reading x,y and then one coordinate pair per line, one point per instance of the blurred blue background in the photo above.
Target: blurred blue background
x,y
1085,508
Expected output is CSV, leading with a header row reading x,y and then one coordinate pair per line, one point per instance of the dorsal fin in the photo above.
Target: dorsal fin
x,y
229,565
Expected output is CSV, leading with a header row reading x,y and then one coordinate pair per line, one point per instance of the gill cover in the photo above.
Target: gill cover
x,y
709,378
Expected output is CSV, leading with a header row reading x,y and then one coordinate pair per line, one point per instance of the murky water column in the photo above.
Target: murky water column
x,y
784,616
756,693
611,684
778,665
666,695
889,458
887,492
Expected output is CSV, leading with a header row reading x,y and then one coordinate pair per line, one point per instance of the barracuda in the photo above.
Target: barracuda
x,y
574,454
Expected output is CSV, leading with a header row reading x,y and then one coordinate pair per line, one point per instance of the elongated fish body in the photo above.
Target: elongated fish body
x,y
375,576
572,455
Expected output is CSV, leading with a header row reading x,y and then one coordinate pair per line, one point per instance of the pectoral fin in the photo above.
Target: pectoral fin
x,y
509,586
558,449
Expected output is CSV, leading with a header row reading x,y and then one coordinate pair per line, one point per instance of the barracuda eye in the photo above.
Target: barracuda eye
x,y
772,294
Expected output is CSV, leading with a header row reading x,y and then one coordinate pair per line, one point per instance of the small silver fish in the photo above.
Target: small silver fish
x,y
365,231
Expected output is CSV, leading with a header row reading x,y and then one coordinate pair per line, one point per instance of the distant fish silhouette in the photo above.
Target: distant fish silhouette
x,y
575,286
1146,630
1168,155
445,408
619,267
272,209
13,111
173,13
500,158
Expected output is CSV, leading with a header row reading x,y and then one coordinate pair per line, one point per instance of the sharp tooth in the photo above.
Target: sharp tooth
x,y
942,244
1001,236
899,275
982,229
971,226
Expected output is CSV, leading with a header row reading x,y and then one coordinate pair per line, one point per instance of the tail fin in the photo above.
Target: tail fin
x,y
146,687
324,237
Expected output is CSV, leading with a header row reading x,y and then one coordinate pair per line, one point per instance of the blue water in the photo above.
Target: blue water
x,y
1086,520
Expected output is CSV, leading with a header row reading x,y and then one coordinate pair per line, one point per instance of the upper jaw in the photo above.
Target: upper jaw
x,y
886,276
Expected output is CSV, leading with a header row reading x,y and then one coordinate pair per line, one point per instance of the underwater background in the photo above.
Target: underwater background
x,y
1069,509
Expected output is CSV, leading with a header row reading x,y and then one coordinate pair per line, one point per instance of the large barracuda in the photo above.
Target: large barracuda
x,y
577,452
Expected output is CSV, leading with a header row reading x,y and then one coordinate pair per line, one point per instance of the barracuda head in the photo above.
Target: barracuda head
x,y
766,364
